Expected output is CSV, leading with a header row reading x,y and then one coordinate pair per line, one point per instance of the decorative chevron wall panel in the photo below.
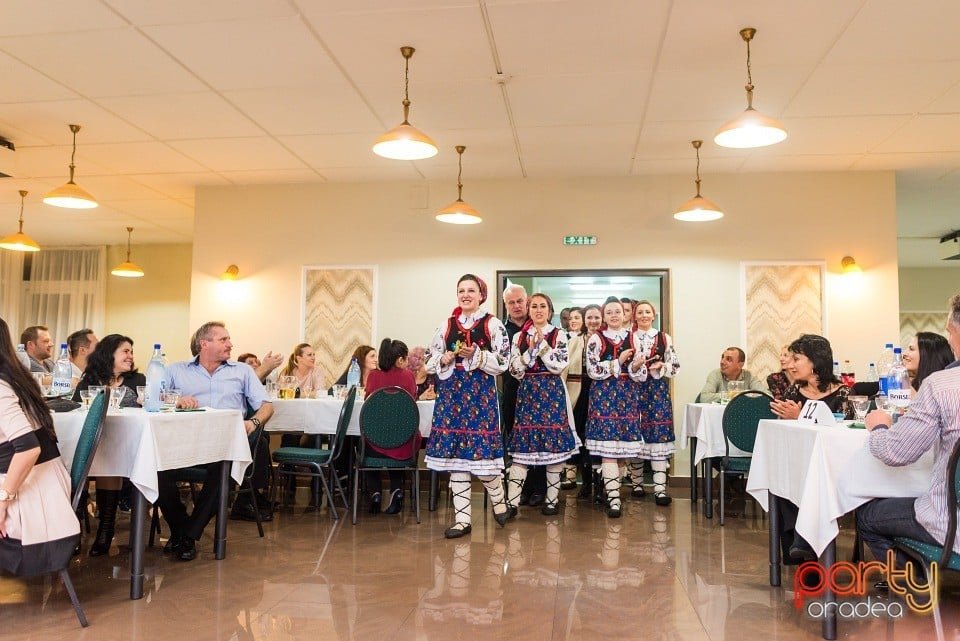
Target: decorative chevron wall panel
x,y
913,322
338,314
781,302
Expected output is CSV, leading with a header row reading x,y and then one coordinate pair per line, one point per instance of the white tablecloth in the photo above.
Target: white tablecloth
x,y
320,415
704,421
137,444
827,471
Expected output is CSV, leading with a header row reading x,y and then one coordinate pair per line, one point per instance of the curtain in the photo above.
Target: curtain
x,y
11,285
66,291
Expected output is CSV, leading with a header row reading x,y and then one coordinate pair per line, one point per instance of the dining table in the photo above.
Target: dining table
x,y
826,471
702,426
137,444
319,416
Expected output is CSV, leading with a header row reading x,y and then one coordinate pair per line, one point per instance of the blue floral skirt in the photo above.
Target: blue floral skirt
x,y
465,434
656,419
542,434
613,419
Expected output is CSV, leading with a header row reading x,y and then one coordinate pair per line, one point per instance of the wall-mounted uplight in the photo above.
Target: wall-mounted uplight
x,y
232,273
850,266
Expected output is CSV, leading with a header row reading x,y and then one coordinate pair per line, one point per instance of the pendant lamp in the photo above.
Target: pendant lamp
x,y
751,128
405,142
71,195
459,212
127,269
20,242
698,209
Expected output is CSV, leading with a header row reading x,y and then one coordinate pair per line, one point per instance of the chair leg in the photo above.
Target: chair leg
x,y
329,495
68,584
154,525
356,489
415,491
256,507
722,500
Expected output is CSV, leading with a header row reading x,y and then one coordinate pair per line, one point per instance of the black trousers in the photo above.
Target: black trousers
x,y
173,509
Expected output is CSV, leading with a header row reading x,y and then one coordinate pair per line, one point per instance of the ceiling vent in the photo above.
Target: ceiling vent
x,y
950,246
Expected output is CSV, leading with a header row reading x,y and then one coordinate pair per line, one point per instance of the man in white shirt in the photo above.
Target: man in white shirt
x,y
80,344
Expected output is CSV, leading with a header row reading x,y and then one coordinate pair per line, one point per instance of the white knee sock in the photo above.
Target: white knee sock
x,y
495,489
518,474
553,483
460,489
659,477
611,482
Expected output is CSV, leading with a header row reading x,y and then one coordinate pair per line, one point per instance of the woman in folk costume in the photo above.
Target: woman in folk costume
x,y
613,421
467,353
573,377
656,409
543,432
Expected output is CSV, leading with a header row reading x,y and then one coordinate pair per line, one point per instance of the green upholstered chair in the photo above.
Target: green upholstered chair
x,y
89,441
740,418
318,463
943,555
389,418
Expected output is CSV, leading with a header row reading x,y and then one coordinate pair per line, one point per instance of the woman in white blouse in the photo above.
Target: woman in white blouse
x,y
543,432
656,408
613,421
303,364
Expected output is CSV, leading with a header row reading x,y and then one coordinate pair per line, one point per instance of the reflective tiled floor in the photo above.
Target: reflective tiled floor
x,y
656,573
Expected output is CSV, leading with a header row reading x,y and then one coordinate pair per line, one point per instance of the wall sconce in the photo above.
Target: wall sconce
x,y
232,273
850,266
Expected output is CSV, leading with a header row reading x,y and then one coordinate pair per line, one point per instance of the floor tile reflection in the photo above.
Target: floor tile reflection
x,y
657,573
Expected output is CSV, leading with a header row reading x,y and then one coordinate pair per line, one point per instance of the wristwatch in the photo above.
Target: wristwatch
x,y
7,496
256,422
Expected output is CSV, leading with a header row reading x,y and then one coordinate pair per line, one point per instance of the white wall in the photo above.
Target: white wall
x,y
927,289
270,232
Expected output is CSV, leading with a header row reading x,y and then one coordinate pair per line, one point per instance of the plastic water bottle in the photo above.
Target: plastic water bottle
x,y
353,374
156,375
898,383
23,357
836,370
883,366
62,374
872,376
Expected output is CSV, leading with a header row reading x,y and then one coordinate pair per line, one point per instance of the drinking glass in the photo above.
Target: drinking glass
x,y
86,397
306,391
288,387
272,390
339,391
724,397
860,406
141,394
169,398
883,403
361,392
116,397
734,388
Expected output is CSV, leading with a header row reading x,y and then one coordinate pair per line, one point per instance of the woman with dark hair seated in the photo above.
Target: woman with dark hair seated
x,y
391,372
110,365
811,366
813,379
928,353
38,530
366,357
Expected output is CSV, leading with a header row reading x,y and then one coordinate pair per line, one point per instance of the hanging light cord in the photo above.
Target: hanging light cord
x,y
129,233
407,53
460,150
747,35
73,155
696,145
23,194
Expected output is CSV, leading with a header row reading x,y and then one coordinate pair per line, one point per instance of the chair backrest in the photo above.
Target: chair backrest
x,y
740,418
346,411
389,418
953,491
87,445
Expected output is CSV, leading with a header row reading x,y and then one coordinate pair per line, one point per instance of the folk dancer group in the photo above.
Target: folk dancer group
x,y
629,416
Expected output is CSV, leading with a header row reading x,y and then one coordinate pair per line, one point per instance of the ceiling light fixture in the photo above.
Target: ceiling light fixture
x,y
232,273
71,195
459,212
126,268
751,128
405,142
698,209
20,242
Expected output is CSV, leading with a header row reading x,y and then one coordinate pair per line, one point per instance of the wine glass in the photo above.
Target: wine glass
x,y
860,406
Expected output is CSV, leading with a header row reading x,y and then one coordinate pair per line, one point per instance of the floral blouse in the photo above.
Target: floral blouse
x,y
646,343
555,358
602,363
492,361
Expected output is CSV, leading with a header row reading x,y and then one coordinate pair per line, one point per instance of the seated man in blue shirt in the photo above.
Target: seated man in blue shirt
x,y
211,379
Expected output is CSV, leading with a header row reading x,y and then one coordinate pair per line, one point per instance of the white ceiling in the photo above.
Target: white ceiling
x,y
181,93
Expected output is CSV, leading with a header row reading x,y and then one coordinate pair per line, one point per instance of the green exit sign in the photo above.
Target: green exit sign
x,y
579,240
